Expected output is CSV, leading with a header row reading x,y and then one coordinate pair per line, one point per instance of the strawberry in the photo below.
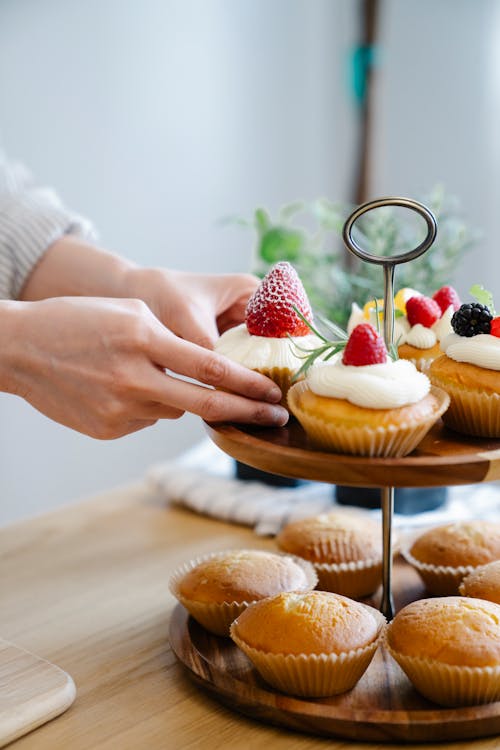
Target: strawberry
x,y
495,327
270,310
423,310
445,297
364,347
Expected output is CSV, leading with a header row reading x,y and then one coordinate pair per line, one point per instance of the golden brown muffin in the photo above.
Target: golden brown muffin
x,y
443,555
313,643
474,396
421,358
217,587
337,424
483,582
345,549
449,648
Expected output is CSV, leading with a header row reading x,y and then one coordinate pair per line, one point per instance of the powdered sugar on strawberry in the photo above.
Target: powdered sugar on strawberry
x,y
270,311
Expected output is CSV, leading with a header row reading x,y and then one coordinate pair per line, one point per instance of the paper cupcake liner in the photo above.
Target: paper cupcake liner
x,y
448,684
441,580
472,412
394,441
353,579
312,675
283,378
216,616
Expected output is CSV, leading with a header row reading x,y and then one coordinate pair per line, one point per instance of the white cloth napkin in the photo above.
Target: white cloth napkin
x,y
202,480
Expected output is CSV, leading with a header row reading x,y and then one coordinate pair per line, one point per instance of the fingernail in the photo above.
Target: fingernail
x,y
279,416
274,395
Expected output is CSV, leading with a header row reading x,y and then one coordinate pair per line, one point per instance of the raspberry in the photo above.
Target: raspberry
x,y
495,327
471,319
364,347
423,310
270,310
445,297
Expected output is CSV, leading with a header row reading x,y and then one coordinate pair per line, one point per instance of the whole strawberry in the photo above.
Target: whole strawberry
x,y
423,310
270,310
445,297
364,347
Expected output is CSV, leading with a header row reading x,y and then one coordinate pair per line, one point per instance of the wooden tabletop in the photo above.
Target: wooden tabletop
x,y
86,588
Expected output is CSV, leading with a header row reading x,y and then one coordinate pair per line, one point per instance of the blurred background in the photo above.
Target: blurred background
x,y
157,118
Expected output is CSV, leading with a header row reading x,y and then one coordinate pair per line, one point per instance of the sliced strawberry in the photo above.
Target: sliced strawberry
x,y
270,310
423,310
445,297
495,327
364,347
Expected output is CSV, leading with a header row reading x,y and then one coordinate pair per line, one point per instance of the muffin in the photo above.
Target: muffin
x,y
483,582
274,339
420,322
216,588
362,402
311,644
449,648
444,555
345,549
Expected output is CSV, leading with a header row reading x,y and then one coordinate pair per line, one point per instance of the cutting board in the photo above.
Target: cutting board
x,y
32,691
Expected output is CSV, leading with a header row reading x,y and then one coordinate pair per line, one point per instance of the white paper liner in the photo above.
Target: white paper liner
x,y
353,579
441,580
472,412
217,617
390,441
449,684
312,675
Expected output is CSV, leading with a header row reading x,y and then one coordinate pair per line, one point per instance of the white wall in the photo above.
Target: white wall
x,y
157,117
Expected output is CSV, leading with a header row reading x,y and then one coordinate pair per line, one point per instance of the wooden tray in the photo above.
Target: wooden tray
x,y
442,458
382,707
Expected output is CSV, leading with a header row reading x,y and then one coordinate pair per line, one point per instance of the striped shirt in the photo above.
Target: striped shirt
x,y
31,219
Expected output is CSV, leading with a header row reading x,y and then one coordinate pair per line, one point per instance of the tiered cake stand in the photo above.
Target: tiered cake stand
x,y
383,706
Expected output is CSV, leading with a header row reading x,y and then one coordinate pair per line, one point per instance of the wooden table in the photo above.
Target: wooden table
x,y
86,588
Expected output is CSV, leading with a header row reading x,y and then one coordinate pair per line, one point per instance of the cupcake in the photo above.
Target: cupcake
x,y
345,549
483,582
362,402
444,555
469,371
449,648
311,644
420,322
274,337
216,588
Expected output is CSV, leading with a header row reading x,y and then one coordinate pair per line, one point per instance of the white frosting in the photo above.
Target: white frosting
x,y
262,352
382,386
442,327
482,350
421,337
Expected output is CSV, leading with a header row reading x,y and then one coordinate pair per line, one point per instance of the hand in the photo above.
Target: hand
x,y
98,365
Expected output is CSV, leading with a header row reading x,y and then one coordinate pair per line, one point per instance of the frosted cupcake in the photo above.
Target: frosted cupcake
x,y
469,370
345,549
449,648
216,588
420,322
273,338
312,644
444,555
362,402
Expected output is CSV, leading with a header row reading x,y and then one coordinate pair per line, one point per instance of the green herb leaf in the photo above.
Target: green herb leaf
x,y
483,296
327,348
280,243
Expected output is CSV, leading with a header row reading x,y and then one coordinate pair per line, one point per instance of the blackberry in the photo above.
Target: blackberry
x,y
471,319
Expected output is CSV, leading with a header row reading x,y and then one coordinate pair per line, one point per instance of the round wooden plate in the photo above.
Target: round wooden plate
x,y
382,707
442,458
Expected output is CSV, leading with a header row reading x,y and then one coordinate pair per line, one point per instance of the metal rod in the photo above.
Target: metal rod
x,y
387,604
388,305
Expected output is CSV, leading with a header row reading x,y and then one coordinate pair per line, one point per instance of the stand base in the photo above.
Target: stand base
x,y
32,691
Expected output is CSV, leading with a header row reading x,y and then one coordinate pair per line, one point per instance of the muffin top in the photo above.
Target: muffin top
x,y
245,576
313,622
483,582
456,544
332,538
452,630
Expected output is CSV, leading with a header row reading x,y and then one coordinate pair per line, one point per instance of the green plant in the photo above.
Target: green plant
x,y
308,235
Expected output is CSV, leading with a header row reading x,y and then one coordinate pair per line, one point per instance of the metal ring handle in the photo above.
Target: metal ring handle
x,y
419,208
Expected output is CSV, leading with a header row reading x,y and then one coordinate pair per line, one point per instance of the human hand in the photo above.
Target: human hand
x,y
97,365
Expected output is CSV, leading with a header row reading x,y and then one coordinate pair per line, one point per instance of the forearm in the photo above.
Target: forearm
x,y
11,346
73,267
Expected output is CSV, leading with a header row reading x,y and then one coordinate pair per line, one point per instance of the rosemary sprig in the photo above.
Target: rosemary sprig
x,y
326,350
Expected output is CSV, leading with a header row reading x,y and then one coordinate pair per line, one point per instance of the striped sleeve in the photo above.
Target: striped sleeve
x,y
31,219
